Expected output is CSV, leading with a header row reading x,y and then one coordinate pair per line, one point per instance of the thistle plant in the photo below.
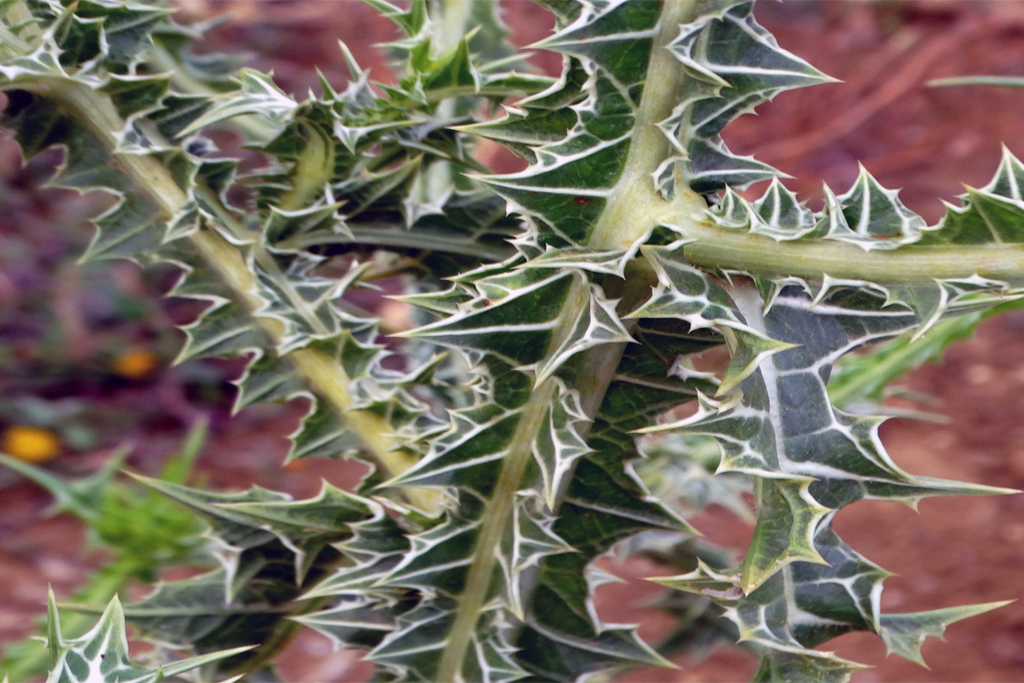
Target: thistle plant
x,y
560,311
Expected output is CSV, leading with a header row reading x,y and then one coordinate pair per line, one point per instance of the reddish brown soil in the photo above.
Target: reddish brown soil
x,y
927,141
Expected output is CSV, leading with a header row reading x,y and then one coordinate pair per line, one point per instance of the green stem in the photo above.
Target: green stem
x,y
498,511
712,247
313,170
1007,81
617,228
634,204
718,248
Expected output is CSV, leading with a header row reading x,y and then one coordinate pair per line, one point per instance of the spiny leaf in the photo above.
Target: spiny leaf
x,y
785,667
359,621
529,425
256,94
246,521
102,653
810,581
991,214
734,65
904,634
870,212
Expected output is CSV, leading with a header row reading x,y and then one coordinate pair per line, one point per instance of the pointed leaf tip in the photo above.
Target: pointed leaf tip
x,y
904,634
748,348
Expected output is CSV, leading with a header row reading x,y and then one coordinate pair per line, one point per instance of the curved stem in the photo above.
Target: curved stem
x,y
323,373
313,170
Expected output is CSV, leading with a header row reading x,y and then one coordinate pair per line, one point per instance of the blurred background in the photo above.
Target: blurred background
x,y
86,351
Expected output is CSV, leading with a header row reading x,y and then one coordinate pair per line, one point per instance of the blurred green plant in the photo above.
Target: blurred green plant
x,y
861,381
1005,81
142,530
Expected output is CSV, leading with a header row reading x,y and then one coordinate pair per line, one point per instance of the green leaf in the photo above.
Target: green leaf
x,y
904,634
247,521
786,667
102,653
734,65
990,214
256,94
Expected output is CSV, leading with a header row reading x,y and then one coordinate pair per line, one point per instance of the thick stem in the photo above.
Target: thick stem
x,y
726,249
634,204
600,363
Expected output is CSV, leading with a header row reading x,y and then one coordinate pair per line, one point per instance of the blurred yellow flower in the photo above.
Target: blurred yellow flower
x,y
135,364
31,444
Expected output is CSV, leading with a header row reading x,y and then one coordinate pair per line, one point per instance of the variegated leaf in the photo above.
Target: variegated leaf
x,y
102,653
